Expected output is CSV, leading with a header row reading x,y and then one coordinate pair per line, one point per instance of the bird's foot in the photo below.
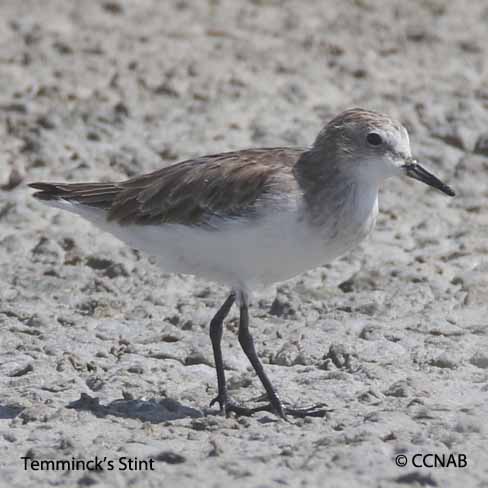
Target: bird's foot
x,y
227,405
318,410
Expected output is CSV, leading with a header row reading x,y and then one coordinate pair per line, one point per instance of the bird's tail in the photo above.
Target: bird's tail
x,y
95,195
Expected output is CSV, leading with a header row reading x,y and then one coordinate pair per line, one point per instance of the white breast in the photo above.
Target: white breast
x,y
242,253
245,253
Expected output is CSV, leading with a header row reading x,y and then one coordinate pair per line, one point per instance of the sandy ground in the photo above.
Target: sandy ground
x,y
103,355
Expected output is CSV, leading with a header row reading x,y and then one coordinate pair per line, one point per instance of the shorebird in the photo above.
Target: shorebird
x,y
254,217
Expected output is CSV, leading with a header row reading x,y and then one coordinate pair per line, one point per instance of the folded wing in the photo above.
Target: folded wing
x,y
191,192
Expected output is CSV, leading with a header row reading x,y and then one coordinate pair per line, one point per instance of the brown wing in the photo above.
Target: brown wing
x,y
190,192
99,195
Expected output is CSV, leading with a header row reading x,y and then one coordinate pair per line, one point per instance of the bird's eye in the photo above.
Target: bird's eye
x,y
374,139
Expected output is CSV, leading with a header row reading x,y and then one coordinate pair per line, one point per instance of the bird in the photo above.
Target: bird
x,y
254,217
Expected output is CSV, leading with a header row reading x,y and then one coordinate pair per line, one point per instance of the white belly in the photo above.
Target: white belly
x,y
239,254
243,253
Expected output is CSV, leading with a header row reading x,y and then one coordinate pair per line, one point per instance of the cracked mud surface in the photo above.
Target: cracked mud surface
x,y
102,354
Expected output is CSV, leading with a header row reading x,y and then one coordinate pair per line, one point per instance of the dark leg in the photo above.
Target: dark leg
x,y
247,344
216,330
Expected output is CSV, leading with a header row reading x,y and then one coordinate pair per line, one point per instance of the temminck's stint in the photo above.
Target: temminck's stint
x,y
254,217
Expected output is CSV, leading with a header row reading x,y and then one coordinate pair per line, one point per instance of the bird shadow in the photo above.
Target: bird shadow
x,y
8,412
153,411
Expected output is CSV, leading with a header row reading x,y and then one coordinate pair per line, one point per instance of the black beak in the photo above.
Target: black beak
x,y
414,170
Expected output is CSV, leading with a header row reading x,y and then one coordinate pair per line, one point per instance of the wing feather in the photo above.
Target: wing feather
x,y
191,192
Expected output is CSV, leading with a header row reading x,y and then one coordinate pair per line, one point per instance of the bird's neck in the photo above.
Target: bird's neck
x,y
329,193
